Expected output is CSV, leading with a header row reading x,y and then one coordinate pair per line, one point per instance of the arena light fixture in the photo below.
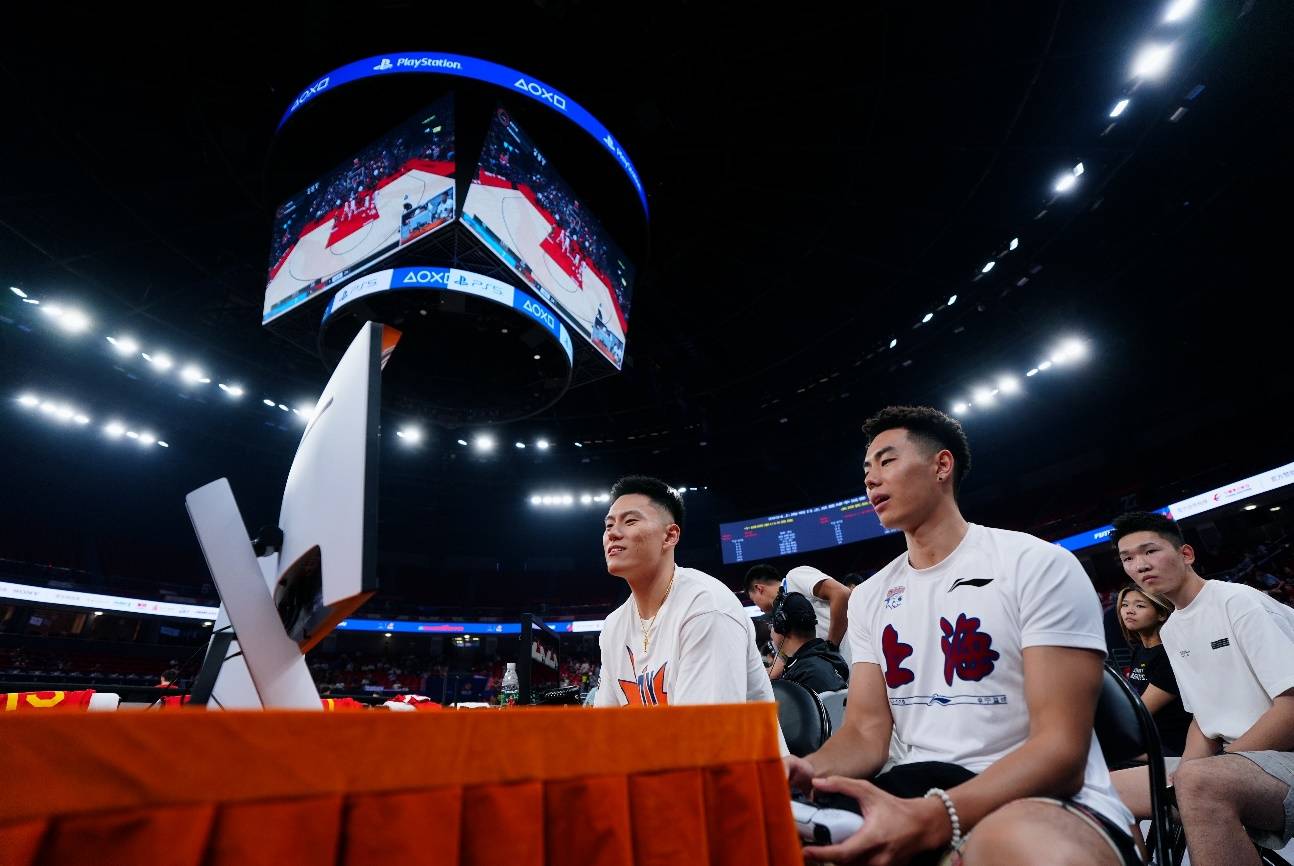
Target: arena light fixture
x,y
1179,9
988,266
483,443
1152,60
1119,107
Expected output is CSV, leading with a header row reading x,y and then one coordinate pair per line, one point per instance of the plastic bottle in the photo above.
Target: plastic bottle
x,y
509,688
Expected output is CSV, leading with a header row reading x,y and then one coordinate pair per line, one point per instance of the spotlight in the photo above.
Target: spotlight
x,y
131,434
1177,10
64,413
1045,366
536,500
1015,242
568,500
232,390
894,342
191,375
536,357
1065,183
462,441
1032,373
520,445
411,435
1250,507
17,291
982,397
161,361
1275,508
52,310
604,497
48,408
268,402
306,411
547,500
29,400
578,445
114,429
387,634
960,409
952,300
1152,61
542,445
586,499
284,407
988,266
124,345
925,320
1009,385
1119,107
147,438
98,613
162,444
1078,170
483,442
74,321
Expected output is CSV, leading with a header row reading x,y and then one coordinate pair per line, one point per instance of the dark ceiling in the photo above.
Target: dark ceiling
x,y
818,183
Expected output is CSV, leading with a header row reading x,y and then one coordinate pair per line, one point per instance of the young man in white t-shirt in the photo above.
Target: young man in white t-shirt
x,y
1232,652
681,637
981,650
830,598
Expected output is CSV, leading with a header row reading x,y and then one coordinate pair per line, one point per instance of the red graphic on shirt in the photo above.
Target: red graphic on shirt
x,y
895,652
968,652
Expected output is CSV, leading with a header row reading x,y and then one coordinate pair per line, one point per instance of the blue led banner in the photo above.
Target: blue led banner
x,y
478,70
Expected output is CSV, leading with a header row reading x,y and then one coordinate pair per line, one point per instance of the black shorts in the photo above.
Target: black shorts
x,y
913,780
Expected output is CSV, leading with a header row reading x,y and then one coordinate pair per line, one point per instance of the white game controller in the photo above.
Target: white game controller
x,y
824,826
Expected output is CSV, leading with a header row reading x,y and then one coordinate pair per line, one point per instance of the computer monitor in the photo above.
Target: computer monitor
x,y
319,565
538,660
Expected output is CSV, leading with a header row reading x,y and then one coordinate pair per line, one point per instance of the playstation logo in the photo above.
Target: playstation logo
x,y
384,65
609,141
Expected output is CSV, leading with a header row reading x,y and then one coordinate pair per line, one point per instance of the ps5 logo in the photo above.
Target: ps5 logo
x,y
555,99
426,278
541,314
310,91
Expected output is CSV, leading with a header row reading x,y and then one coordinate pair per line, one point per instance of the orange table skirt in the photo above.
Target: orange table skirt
x,y
675,785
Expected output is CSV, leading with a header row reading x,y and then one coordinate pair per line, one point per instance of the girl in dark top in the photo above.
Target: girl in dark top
x,y
1141,615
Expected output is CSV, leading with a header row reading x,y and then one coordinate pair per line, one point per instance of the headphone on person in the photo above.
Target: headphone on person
x,y
793,616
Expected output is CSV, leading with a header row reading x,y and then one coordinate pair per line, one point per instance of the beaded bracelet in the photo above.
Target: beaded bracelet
x,y
952,814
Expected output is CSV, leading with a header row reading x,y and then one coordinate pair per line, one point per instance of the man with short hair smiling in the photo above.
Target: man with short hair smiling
x,y
681,637
981,649
1232,651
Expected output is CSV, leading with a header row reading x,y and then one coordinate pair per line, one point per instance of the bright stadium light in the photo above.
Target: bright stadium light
x,y
894,342
1152,60
1032,373
988,266
161,361
1178,9
1015,242
1045,366
1119,107
29,401
114,429
124,345
484,443
982,397
234,391
410,435
952,299
536,500
82,419
1008,385
520,445
925,320
462,441
17,291
268,402
586,499
192,375
147,438
542,444
74,321
1065,182
960,409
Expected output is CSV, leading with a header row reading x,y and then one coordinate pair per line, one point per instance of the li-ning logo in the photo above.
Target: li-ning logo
x,y
384,65
541,314
1219,644
555,99
426,278
975,581
309,92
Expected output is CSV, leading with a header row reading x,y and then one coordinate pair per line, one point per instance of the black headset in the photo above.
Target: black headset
x,y
783,620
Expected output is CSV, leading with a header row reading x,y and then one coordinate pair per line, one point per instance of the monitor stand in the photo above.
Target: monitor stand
x,y
277,669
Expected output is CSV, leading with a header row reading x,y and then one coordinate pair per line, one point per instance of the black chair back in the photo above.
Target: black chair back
x,y
804,719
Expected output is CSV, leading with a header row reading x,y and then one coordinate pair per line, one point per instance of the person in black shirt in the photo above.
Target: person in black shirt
x,y
1141,615
810,660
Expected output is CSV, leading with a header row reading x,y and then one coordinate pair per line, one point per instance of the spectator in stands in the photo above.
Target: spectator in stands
x,y
1232,650
981,650
830,599
168,678
852,580
809,660
681,637
1141,615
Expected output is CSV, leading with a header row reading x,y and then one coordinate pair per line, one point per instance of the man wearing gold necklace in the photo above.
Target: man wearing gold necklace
x,y
681,637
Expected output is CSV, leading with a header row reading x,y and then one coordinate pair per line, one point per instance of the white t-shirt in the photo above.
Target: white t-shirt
x,y
702,650
804,579
950,642
1232,651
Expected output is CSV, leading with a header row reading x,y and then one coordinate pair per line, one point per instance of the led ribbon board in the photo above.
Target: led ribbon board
x,y
478,70
454,280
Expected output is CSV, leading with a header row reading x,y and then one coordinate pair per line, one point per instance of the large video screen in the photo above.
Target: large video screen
x,y
393,192
523,210
828,525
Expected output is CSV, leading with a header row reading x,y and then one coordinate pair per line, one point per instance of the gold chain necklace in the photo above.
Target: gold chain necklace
x,y
648,624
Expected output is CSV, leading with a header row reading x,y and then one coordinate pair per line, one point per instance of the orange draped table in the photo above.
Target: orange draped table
x,y
676,785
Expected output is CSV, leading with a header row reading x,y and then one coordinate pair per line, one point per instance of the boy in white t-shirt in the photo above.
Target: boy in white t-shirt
x,y
1232,652
681,637
981,650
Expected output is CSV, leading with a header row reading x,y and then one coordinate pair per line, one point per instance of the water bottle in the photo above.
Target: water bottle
x,y
509,688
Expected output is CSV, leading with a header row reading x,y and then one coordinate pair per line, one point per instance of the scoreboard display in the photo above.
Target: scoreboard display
x,y
828,525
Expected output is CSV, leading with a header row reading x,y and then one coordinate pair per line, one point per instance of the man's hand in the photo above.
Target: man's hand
x,y
799,774
894,829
